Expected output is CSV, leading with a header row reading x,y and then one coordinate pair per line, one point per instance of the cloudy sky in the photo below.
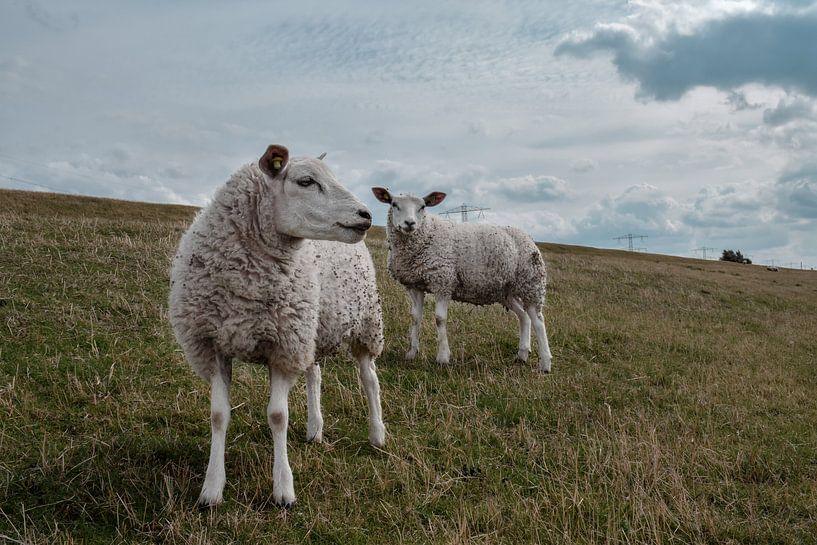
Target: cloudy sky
x,y
693,123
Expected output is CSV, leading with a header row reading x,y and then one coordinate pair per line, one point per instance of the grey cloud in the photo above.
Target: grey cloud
x,y
738,102
730,205
788,110
49,19
641,209
739,215
773,49
584,165
523,189
478,128
797,192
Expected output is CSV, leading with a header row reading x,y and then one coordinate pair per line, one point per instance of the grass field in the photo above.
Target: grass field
x,y
682,407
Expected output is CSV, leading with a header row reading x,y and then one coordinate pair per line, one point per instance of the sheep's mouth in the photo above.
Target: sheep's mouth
x,y
359,228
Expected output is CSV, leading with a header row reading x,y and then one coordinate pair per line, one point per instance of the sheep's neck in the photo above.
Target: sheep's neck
x,y
252,237
410,243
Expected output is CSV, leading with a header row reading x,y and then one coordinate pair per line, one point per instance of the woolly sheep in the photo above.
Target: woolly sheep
x,y
473,263
249,282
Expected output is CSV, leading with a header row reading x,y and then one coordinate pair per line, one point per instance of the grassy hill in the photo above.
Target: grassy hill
x,y
682,407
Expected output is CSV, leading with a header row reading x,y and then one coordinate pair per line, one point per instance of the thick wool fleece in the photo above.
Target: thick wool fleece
x,y
472,263
240,290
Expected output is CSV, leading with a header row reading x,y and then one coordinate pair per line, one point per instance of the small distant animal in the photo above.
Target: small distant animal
x,y
472,263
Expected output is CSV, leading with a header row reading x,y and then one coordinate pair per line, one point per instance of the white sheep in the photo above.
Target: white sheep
x,y
249,283
473,263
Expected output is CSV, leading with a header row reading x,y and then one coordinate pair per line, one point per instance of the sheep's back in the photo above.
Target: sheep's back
x,y
486,263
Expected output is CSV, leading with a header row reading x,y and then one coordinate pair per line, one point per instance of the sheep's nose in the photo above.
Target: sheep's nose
x,y
410,223
365,214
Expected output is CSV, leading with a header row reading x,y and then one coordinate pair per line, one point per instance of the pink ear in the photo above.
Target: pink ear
x,y
274,160
382,194
434,198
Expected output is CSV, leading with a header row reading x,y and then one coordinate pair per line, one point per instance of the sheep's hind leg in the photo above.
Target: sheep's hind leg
x,y
538,321
314,423
283,490
213,488
440,318
416,297
368,377
524,327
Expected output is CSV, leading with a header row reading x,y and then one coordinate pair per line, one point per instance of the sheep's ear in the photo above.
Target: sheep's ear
x,y
321,156
434,198
274,160
382,194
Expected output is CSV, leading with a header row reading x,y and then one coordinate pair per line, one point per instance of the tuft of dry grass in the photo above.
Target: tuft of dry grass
x,y
681,408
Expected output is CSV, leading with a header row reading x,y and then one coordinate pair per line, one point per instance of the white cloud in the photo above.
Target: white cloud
x,y
584,165
522,189
542,225
640,209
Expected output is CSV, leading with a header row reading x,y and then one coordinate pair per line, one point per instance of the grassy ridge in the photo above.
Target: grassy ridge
x,y
681,408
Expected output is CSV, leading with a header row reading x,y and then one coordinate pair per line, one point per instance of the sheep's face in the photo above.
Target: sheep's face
x,y
307,201
407,211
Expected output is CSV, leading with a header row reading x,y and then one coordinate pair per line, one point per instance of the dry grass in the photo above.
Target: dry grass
x,y
681,408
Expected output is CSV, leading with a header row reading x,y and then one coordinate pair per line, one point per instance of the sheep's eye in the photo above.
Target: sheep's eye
x,y
306,182
394,204
423,207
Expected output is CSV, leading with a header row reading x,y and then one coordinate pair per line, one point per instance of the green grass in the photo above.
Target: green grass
x,y
681,407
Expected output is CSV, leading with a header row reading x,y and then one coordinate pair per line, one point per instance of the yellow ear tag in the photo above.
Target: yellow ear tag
x,y
276,163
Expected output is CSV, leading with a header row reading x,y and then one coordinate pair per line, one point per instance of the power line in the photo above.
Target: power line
x,y
463,211
629,237
65,171
72,173
703,250
36,184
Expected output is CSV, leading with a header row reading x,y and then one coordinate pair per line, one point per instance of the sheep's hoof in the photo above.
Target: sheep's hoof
x,y
544,367
522,355
314,431
284,501
411,354
442,362
377,436
209,498
207,504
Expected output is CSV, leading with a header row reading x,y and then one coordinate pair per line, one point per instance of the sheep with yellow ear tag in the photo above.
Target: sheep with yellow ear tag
x,y
274,271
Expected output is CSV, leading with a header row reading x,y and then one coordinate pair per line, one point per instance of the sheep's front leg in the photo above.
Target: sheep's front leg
x,y
283,490
440,317
541,337
416,297
368,377
524,328
314,422
213,488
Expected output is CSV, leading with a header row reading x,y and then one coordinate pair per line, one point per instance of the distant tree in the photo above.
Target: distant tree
x,y
735,257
